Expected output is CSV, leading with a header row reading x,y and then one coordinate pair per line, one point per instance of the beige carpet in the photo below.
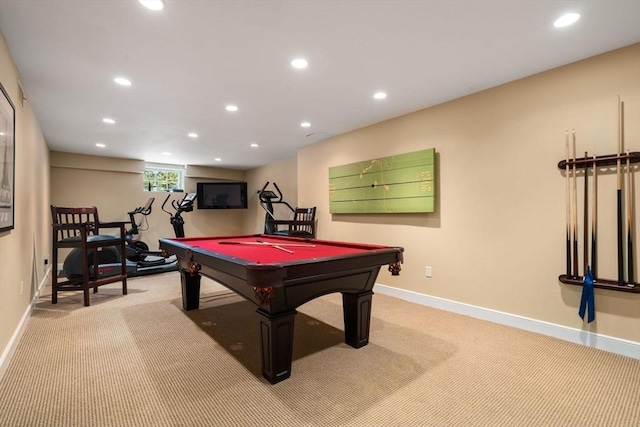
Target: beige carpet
x,y
140,360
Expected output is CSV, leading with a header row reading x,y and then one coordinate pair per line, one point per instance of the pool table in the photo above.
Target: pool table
x,y
278,274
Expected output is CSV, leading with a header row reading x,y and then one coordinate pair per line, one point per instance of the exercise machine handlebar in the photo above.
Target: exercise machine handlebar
x,y
268,198
142,210
185,205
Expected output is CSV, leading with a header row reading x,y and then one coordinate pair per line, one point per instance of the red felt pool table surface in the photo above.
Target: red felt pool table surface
x,y
261,249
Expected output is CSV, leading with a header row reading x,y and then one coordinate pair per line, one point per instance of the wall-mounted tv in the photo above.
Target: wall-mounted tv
x,y
222,195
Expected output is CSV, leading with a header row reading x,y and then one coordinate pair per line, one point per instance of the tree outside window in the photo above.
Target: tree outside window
x,y
162,179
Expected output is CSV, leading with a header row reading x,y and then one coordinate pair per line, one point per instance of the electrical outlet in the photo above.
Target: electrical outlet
x,y
21,287
427,271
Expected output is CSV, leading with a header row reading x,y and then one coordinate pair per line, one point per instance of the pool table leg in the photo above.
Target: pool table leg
x,y
276,336
190,289
357,318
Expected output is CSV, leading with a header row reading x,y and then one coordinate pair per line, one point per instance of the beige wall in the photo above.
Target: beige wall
x,y
23,249
115,187
497,238
211,222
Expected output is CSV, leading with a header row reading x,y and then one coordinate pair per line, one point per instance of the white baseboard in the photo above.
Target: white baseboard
x,y
578,336
10,349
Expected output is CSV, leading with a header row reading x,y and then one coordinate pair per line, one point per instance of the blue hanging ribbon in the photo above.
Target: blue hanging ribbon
x,y
588,298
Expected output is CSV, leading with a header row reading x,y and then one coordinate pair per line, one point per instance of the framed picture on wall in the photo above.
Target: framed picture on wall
x,y
7,161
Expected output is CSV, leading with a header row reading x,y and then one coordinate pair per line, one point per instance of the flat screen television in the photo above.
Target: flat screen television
x,y
222,195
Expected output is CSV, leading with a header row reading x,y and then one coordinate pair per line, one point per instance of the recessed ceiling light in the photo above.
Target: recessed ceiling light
x,y
305,124
100,145
254,145
166,153
299,63
218,159
108,120
231,108
193,135
152,4
122,81
379,95
566,19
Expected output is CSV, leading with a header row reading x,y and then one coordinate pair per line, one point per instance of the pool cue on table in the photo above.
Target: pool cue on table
x,y
619,170
281,248
630,261
300,245
271,245
585,220
594,222
575,209
568,200
263,243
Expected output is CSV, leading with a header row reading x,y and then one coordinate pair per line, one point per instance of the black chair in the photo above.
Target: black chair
x,y
302,225
80,228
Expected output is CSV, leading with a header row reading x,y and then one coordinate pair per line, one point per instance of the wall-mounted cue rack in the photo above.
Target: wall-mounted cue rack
x,y
600,161
622,162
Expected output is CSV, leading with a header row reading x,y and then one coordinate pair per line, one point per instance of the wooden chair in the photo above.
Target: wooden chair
x,y
302,225
80,228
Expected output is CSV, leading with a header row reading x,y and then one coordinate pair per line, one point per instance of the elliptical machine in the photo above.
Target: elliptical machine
x,y
269,200
137,250
140,261
302,224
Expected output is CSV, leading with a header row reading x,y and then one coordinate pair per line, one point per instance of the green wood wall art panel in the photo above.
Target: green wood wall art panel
x,y
404,183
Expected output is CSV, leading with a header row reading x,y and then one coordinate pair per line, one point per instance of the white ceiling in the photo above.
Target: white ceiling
x,y
190,60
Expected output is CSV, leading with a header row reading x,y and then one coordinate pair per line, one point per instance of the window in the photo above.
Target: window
x,y
163,177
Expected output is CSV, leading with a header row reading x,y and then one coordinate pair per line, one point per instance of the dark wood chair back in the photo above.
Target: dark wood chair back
x,y
302,225
76,228
304,221
69,224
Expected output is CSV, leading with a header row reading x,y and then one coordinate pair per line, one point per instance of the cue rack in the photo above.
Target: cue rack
x,y
622,162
